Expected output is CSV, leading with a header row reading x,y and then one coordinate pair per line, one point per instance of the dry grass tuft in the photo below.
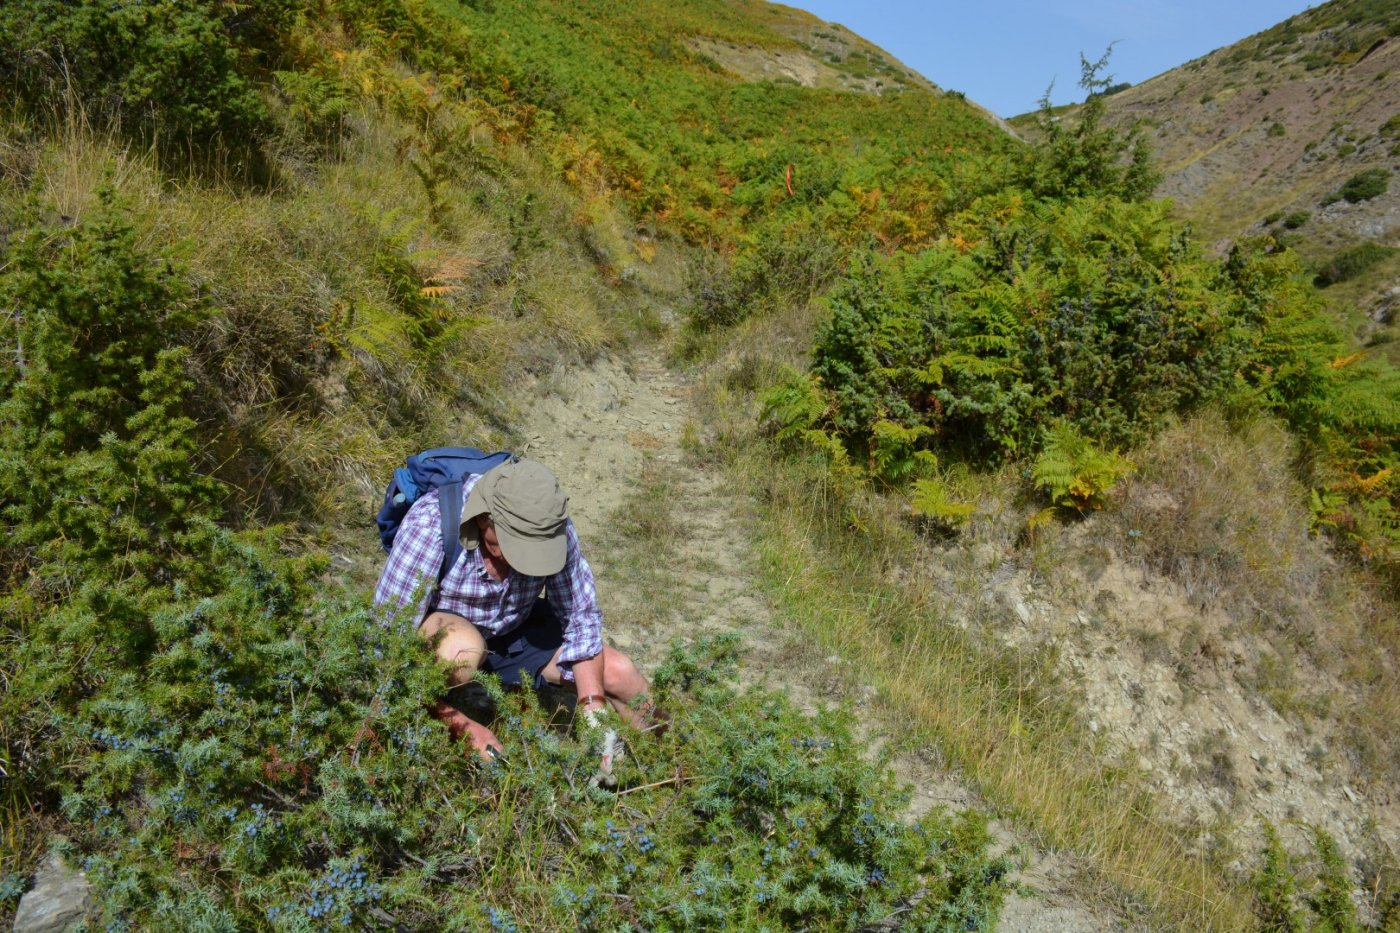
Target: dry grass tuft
x,y
1215,508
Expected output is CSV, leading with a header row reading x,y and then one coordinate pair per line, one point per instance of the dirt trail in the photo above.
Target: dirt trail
x,y
608,429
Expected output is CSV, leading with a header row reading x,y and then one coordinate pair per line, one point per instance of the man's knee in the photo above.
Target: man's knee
x,y
457,642
616,665
621,677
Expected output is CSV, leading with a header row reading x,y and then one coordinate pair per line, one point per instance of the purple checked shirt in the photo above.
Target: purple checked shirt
x,y
492,606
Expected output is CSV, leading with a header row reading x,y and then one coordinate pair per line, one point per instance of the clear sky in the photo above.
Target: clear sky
x,y
1004,53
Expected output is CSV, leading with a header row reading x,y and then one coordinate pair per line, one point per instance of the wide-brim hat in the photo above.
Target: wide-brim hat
x,y
529,511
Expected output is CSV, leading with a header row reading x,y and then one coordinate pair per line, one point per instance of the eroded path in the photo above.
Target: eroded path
x,y
673,560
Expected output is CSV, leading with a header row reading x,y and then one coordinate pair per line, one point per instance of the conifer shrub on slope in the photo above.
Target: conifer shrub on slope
x,y
1052,305
181,74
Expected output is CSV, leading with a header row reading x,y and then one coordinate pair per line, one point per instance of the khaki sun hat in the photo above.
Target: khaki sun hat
x,y
529,511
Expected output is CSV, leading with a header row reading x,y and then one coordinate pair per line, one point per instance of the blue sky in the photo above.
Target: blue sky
x,y
1003,53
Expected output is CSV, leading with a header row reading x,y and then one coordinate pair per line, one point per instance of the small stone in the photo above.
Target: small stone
x,y
1350,794
59,900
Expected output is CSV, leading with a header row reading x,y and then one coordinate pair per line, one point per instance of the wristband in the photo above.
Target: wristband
x,y
593,698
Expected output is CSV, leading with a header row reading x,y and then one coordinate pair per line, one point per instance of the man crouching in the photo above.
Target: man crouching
x,y
519,600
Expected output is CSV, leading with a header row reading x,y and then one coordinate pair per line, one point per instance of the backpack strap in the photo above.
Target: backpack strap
x,y
450,507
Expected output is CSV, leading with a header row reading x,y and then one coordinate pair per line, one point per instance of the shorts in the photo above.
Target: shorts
x,y
525,650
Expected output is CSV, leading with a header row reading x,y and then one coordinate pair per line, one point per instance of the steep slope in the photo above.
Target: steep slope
x,y
1262,138
711,117
418,213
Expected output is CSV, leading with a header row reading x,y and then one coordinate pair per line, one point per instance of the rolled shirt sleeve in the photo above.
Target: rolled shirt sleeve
x,y
574,598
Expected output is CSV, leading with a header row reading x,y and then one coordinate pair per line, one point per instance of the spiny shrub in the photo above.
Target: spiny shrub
x,y
1276,895
1088,158
272,766
1294,894
96,465
103,506
1097,313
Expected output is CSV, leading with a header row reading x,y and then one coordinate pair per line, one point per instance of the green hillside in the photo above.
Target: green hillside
x,y
255,254
1263,137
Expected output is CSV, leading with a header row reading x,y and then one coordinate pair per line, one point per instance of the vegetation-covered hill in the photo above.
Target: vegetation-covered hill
x,y
255,253
1294,134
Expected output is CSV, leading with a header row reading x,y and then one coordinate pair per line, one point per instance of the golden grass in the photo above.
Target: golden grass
x,y
1216,507
1003,719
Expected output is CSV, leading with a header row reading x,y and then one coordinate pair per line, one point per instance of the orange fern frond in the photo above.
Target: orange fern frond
x,y
1369,485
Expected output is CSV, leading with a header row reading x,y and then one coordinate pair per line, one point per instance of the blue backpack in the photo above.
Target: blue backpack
x,y
442,468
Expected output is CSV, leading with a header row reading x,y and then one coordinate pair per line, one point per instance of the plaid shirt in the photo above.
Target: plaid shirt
x,y
495,607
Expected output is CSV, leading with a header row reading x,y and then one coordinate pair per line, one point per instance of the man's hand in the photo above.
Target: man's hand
x,y
484,741
459,724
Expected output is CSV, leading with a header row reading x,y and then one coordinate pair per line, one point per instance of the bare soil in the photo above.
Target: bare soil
x,y
601,429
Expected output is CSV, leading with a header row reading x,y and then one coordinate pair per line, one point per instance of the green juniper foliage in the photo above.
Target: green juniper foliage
x,y
272,766
97,456
1095,312
1090,158
1301,894
180,71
